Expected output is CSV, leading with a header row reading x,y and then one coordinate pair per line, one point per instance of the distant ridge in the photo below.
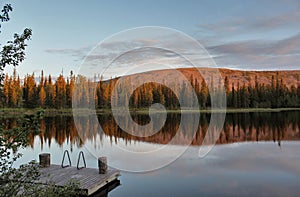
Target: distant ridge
x,y
241,77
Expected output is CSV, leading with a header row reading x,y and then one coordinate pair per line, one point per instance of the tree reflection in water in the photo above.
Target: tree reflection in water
x,y
238,127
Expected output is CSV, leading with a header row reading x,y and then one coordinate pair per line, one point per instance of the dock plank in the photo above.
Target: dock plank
x,y
89,179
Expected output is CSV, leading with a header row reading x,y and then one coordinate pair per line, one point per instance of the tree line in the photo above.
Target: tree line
x,y
49,93
237,128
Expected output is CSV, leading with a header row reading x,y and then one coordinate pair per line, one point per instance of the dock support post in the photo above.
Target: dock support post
x,y
44,160
102,165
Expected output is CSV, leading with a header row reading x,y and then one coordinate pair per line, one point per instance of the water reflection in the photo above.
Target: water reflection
x,y
239,169
238,127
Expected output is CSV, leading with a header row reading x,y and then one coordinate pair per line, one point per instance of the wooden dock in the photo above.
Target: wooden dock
x,y
89,179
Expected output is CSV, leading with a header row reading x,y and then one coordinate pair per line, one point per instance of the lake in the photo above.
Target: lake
x,y
257,154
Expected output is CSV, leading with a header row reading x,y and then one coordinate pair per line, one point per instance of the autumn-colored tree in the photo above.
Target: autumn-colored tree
x,y
226,84
82,91
41,91
158,96
70,88
30,91
203,95
5,90
50,93
60,92
233,97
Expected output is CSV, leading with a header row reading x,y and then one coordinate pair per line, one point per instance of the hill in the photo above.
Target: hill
x,y
289,77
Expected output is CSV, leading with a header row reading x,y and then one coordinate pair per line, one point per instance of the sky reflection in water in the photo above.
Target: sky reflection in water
x,y
231,169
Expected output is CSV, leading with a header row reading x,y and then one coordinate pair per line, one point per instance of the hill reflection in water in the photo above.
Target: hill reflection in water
x,y
238,127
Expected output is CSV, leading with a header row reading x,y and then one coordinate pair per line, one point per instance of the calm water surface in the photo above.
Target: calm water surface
x,y
257,154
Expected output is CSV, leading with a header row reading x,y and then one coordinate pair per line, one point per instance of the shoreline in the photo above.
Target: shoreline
x,y
12,112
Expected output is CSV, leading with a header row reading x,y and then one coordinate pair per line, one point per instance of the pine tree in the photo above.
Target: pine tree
x,y
203,94
20,93
42,97
41,90
245,97
239,97
233,97
60,90
5,90
69,89
226,84
50,93
14,89
82,91
30,92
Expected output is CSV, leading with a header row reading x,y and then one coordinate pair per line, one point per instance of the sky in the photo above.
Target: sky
x,y
246,35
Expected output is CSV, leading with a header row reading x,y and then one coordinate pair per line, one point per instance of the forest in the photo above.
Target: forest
x,y
45,92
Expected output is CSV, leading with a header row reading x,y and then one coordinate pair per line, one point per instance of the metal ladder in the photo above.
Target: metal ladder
x,y
66,152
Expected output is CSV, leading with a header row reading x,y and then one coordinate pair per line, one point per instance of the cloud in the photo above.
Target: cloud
x,y
126,51
260,54
288,46
245,25
258,42
278,21
78,53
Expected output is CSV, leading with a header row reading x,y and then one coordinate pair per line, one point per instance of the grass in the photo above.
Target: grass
x,y
228,110
13,112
